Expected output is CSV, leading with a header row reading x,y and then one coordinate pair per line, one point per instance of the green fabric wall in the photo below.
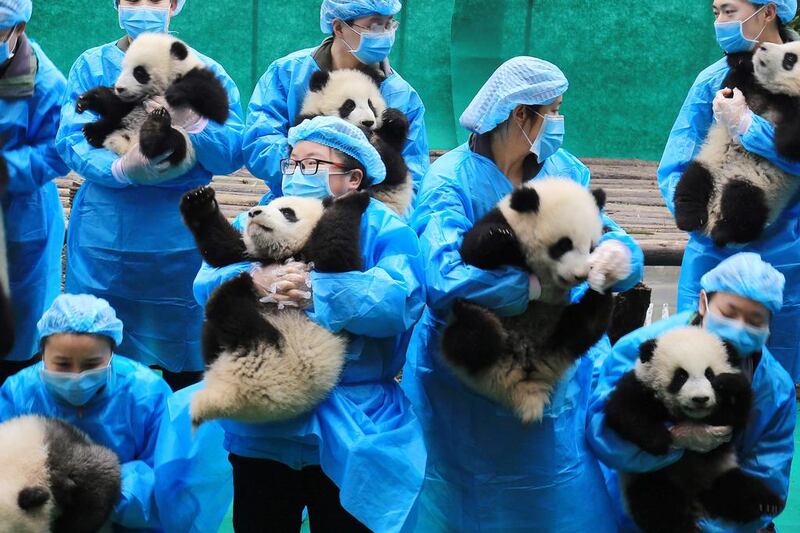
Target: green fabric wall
x,y
630,64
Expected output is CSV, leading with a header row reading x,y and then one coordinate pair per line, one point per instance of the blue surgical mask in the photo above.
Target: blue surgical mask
x,y
311,186
76,389
374,47
730,35
5,52
549,139
136,20
746,339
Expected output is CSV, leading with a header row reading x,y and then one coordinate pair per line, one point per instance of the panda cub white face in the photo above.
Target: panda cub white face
x,y
680,367
153,61
281,228
558,227
348,94
775,66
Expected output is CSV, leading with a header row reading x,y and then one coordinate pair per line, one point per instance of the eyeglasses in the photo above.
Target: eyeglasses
x,y
390,25
308,166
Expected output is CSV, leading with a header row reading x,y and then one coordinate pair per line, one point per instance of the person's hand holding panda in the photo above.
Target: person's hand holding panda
x,y
609,264
185,117
287,284
731,111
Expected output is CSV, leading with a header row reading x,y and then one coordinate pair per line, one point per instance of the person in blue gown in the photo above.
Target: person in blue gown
x,y
127,242
357,460
30,101
116,401
487,471
739,298
360,32
740,25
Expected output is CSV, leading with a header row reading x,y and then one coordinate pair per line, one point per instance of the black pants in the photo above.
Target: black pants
x,y
179,380
9,368
268,496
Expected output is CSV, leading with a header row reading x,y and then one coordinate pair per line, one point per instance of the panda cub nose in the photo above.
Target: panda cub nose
x,y
367,123
254,212
700,400
120,90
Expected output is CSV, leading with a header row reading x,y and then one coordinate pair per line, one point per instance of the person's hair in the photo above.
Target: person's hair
x,y
482,142
351,163
106,338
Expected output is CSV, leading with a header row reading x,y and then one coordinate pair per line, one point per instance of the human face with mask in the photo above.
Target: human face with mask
x,y
318,171
544,132
741,321
741,25
140,16
9,37
366,40
76,366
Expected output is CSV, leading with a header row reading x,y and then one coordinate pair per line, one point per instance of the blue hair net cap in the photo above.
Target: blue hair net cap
x,y
81,313
786,9
345,137
13,12
747,275
520,80
178,8
353,9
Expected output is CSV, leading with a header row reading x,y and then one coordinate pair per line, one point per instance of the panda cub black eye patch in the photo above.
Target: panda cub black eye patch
x,y
561,247
789,60
347,107
141,75
374,111
289,214
709,374
679,378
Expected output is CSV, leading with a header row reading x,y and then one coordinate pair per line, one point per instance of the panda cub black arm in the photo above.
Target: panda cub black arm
x,y
335,242
203,92
787,132
734,399
636,415
105,102
219,243
491,244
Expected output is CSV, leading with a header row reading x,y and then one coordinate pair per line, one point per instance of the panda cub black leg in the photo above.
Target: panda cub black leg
x,y
659,506
219,242
591,315
740,497
744,214
157,137
335,242
692,195
474,339
787,137
202,91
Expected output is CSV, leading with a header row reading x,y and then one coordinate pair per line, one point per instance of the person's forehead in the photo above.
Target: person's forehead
x,y
376,17
312,149
742,303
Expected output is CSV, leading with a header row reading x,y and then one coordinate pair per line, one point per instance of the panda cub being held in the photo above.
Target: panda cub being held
x,y
727,192
354,95
155,64
266,364
548,227
686,375
54,479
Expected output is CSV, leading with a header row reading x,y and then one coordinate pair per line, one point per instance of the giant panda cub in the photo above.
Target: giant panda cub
x,y
6,316
156,64
354,95
54,479
732,194
686,375
548,227
266,364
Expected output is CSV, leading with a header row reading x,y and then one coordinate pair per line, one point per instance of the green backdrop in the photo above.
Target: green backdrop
x,y
630,64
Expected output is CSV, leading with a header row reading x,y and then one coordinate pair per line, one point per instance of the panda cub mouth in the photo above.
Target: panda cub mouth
x,y
261,226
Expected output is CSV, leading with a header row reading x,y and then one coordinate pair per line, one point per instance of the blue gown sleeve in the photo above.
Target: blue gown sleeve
x,y
441,221
760,140
267,127
383,301
415,152
608,446
8,408
219,146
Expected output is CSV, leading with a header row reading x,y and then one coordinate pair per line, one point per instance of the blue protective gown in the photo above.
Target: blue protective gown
x,y
34,220
124,417
277,100
365,435
486,470
127,243
780,243
194,479
764,448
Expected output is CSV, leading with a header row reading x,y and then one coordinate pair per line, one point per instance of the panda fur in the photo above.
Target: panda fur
x,y
54,479
155,64
686,375
354,95
266,364
548,227
731,194
6,317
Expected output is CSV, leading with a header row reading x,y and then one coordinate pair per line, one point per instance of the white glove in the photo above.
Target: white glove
x,y
534,287
700,438
134,167
608,264
732,113
287,285
182,117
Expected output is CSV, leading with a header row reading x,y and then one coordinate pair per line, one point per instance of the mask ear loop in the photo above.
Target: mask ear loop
x,y
762,29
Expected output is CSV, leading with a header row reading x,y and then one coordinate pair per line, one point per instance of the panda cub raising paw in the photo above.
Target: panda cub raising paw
x,y
263,363
54,479
686,375
354,95
727,192
548,227
155,65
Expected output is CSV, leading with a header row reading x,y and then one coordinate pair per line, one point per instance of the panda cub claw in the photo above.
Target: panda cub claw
x,y
95,133
198,203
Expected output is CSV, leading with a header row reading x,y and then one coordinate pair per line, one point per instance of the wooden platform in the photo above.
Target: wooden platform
x,y
634,202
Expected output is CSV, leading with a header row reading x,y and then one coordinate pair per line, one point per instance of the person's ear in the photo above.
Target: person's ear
x,y
702,307
770,12
519,114
355,179
338,28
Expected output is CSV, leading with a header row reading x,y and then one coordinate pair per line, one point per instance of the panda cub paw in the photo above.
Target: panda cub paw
x,y
198,204
95,133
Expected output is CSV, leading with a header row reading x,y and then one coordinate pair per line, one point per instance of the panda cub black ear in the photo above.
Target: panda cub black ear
x,y
31,498
647,350
179,50
525,200
318,81
733,354
599,198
